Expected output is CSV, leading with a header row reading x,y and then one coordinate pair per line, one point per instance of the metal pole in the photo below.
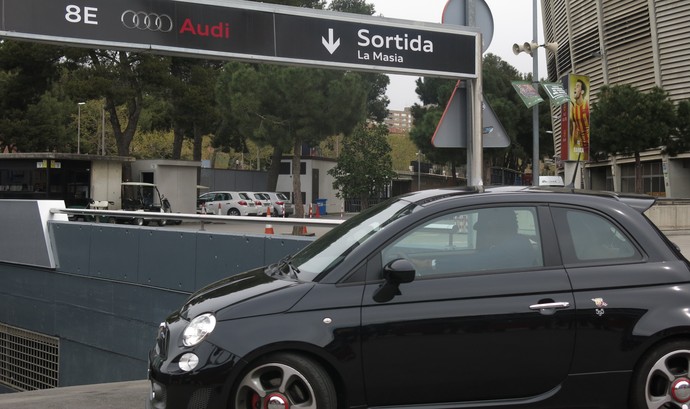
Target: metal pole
x,y
78,127
535,109
477,145
79,104
103,131
419,170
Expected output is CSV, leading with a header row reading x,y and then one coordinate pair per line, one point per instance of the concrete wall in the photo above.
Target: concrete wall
x,y
670,215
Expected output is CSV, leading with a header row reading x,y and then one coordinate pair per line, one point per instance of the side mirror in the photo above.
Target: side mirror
x,y
398,271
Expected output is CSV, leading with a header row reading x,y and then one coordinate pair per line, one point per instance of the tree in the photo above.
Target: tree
x,y
122,79
497,90
364,166
627,121
679,140
34,111
290,106
193,100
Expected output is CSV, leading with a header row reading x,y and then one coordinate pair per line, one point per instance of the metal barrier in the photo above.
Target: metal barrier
x,y
100,215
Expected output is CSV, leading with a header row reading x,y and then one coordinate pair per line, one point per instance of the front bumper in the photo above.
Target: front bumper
x,y
207,386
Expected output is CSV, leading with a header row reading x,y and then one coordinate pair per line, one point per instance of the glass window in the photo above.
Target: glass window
x,y
593,238
476,240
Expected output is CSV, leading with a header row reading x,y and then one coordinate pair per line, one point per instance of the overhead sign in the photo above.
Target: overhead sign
x,y
247,31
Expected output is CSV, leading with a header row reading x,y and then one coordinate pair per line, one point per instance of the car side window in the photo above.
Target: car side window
x,y
476,240
593,237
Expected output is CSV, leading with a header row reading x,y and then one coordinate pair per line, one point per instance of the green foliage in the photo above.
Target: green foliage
x,y
627,121
680,138
352,6
32,115
435,94
364,166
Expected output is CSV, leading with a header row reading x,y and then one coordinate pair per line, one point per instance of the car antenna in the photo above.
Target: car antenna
x,y
571,185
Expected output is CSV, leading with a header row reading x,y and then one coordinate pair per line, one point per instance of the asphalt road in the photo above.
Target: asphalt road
x,y
132,395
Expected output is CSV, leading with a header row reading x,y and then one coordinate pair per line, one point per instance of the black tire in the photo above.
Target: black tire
x,y
162,222
659,370
305,384
139,221
234,212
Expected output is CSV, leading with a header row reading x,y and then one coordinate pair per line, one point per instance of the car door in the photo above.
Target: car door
x,y
472,325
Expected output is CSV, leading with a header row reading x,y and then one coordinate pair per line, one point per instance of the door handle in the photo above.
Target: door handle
x,y
550,306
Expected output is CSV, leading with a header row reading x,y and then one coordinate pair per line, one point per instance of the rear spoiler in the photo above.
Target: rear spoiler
x,y
638,202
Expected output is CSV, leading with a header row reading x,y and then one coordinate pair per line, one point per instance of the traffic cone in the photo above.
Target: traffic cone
x,y
220,209
310,213
317,213
304,231
269,227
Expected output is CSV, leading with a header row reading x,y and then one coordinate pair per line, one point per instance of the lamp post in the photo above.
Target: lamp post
x,y
79,104
532,49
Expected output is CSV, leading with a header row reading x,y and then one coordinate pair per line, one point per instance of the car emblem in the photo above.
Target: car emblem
x,y
600,304
147,21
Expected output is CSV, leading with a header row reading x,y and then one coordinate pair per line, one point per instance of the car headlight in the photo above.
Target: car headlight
x,y
197,330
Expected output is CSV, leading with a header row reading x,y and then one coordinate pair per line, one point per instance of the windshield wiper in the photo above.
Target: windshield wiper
x,y
294,270
278,268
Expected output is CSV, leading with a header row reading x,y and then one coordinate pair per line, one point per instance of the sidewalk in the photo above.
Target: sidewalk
x,y
118,395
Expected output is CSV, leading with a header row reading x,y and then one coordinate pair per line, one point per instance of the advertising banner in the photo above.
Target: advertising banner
x,y
556,93
575,119
530,96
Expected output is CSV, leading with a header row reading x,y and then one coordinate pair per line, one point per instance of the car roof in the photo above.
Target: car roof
x,y
638,202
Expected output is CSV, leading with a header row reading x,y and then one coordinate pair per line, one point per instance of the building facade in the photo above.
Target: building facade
x,y
399,121
644,43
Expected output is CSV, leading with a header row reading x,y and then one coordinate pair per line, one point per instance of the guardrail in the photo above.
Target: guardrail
x,y
114,215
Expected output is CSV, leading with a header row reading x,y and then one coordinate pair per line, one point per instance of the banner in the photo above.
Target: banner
x,y
556,93
530,96
575,119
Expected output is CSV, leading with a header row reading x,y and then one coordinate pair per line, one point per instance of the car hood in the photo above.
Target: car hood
x,y
247,294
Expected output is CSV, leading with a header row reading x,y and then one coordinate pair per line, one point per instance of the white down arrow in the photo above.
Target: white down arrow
x,y
330,45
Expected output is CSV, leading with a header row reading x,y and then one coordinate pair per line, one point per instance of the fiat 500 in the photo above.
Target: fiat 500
x,y
454,298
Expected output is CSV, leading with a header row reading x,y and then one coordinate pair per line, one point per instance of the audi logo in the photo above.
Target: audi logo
x,y
147,21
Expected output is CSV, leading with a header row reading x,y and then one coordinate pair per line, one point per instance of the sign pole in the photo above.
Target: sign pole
x,y
476,136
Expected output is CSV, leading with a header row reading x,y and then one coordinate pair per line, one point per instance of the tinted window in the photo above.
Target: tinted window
x,y
471,241
588,237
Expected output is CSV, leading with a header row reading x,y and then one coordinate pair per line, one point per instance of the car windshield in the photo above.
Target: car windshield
x,y
327,252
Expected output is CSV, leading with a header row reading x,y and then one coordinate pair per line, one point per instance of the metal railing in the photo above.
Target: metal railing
x,y
123,215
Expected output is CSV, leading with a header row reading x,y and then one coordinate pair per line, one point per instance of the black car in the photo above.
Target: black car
x,y
476,297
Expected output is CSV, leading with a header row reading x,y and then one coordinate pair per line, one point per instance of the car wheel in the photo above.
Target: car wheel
x,y
663,377
139,221
233,212
162,222
285,381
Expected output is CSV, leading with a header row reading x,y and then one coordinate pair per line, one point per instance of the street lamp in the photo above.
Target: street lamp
x,y
79,104
419,170
531,49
